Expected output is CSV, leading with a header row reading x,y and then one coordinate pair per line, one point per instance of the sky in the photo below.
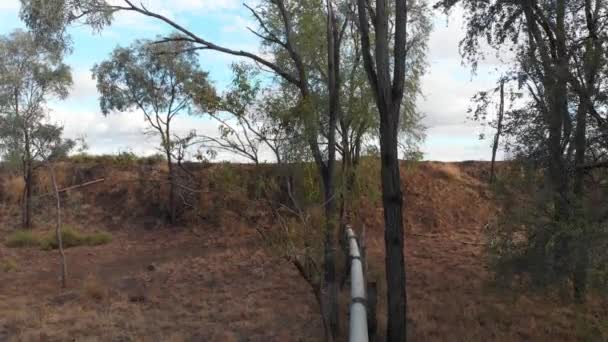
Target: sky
x,y
447,87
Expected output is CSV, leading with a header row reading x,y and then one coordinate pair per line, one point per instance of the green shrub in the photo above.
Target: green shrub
x,y
8,265
74,238
531,243
48,241
22,238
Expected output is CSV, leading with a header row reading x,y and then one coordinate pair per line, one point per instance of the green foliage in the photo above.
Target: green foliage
x,y
161,80
532,243
125,158
73,238
367,181
22,238
225,177
70,237
30,75
591,329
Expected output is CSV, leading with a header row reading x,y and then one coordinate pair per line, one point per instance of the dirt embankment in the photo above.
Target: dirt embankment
x,y
211,278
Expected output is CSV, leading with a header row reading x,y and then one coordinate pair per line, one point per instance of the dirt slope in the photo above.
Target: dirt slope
x,y
214,280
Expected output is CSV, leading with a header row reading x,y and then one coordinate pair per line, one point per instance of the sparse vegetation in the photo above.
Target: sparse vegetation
x,y
22,238
48,241
8,265
506,250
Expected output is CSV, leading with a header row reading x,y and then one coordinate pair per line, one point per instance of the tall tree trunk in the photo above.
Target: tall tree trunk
x,y
501,111
579,276
28,178
389,95
392,201
346,170
580,143
559,111
328,173
330,287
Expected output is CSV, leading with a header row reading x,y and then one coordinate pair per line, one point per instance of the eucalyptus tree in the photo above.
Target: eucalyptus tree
x,y
161,81
304,39
559,65
278,22
251,117
360,122
31,74
386,68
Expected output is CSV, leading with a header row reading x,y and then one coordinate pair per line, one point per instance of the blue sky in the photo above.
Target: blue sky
x,y
448,86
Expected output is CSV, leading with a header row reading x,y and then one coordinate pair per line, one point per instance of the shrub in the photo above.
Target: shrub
x,y
22,238
8,266
531,244
74,238
48,241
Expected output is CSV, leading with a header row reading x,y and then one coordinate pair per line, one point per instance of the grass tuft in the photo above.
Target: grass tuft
x,y
22,238
70,237
8,266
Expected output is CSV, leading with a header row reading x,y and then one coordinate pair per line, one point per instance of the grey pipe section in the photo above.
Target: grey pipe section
x,y
358,312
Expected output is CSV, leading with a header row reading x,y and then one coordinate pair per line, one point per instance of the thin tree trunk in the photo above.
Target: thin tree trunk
x,y
330,287
27,213
27,171
171,177
580,142
58,229
501,111
579,276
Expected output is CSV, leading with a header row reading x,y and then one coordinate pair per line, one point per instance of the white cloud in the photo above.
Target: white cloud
x,y
239,24
83,86
10,5
121,131
448,88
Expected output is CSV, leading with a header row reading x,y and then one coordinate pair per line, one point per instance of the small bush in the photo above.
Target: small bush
x,y
8,266
74,238
22,238
48,241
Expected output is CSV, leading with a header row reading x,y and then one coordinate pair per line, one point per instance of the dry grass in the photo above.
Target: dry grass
x,y
94,289
223,285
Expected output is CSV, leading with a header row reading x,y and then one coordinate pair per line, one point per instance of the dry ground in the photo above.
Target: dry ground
x,y
157,286
216,282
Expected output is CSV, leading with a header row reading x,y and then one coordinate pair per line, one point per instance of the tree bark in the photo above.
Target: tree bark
x,y
328,174
392,200
389,95
171,170
171,177
501,111
28,178
58,228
